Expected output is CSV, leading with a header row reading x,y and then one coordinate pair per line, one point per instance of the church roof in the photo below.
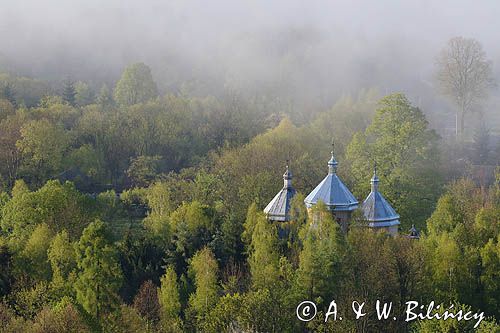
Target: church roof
x,y
414,233
279,208
332,191
377,210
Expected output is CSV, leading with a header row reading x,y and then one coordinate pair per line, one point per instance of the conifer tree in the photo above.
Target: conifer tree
x,y
9,94
203,270
264,255
100,276
249,225
105,98
169,299
321,257
69,92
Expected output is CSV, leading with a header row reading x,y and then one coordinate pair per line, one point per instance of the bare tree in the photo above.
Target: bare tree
x,y
465,75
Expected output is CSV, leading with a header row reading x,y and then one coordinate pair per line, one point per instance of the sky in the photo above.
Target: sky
x,y
313,49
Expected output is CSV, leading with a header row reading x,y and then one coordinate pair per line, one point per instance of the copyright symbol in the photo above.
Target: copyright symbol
x,y
306,311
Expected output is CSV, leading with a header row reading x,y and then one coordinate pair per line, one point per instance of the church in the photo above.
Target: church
x,y
339,200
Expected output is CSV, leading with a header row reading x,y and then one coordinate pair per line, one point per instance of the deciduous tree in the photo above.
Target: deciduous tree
x,y
136,85
465,75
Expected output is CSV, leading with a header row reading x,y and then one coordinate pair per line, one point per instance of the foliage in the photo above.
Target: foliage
x,y
146,302
465,76
170,306
264,256
69,92
136,85
99,274
204,272
405,152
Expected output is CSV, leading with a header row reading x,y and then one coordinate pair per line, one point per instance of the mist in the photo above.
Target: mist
x,y
308,53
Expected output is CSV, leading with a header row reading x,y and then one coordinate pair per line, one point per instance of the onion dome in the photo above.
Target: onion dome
x,y
332,191
279,208
376,209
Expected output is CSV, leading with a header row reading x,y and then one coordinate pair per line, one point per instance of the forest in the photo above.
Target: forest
x,y
133,204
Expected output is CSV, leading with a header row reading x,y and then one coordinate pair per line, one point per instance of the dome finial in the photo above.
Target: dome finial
x,y
332,163
287,176
374,181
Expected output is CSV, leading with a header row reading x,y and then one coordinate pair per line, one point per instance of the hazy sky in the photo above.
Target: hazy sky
x,y
319,46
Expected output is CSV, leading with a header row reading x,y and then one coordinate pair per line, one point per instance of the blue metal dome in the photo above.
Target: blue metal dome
x,y
279,208
332,192
376,209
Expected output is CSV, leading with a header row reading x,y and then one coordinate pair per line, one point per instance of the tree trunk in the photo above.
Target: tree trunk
x,y
462,124
456,125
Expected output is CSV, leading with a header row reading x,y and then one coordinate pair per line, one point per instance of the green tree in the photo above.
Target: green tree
x,y
105,98
203,270
143,170
69,92
136,85
192,226
370,256
44,146
169,299
83,94
264,255
405,151
159,200
490,277
454,325
58,205
5,268
99,273
320,261
34,254
9,94
9,154
61,255
249,225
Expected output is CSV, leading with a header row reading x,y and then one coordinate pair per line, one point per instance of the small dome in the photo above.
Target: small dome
x,y
376,209
332,191
278,209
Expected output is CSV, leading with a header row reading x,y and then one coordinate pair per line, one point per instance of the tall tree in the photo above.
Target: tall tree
x,y
9,94
465,75
5,268
321,257
405,150
84,95
146,302
44,146
204,270
34,253
9,154
169,299
264,256
100,276
105,98
136,85
61,255
69,92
